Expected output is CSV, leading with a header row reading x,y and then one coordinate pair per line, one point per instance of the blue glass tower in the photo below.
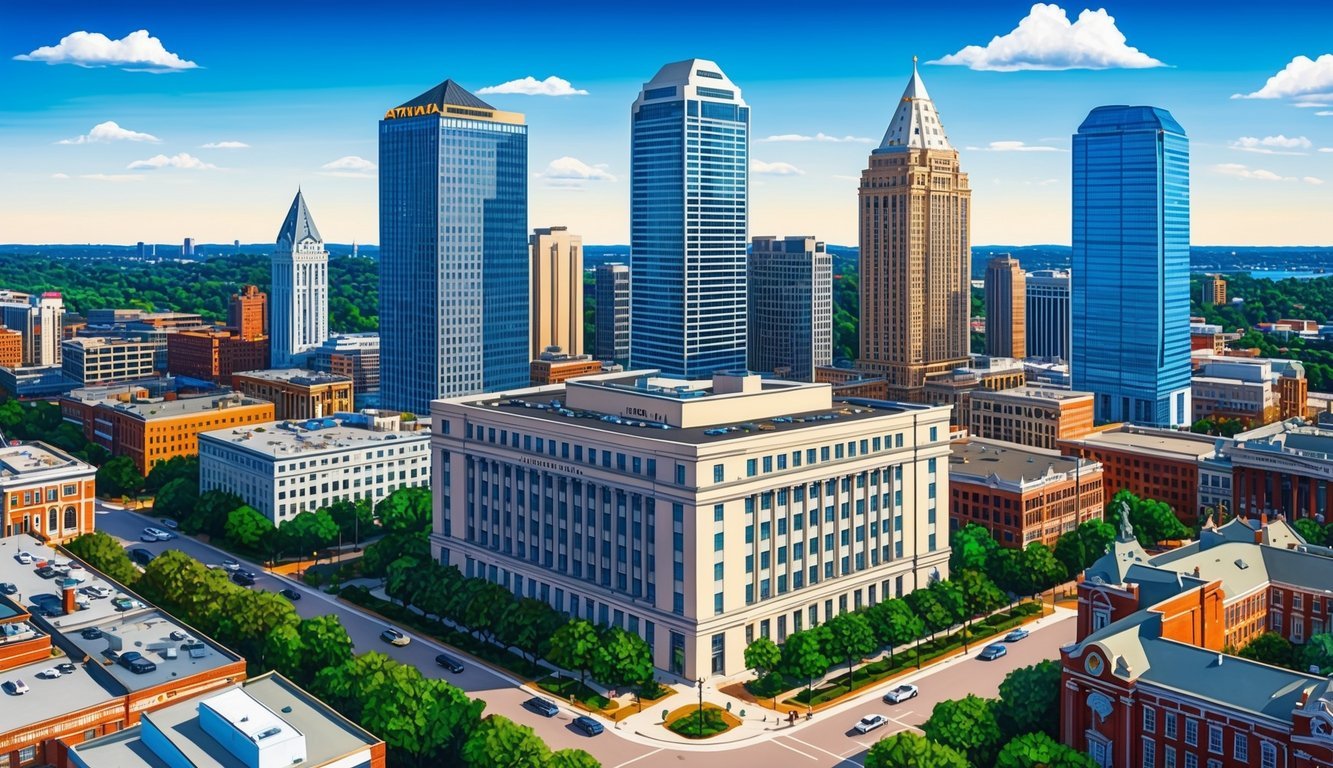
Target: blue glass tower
x,y
453,249
1130,283
689,204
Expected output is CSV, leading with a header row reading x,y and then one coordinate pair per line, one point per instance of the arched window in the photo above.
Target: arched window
x,y
53,520
71,517
1268,755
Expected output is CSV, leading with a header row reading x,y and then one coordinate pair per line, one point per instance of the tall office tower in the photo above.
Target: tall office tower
x,y
39,319
453,249
1048,313
611,318
300,270
1213,290
557,291
187,248
1006,293
141,250
790,284
689,203
915,235
247,313
1130,288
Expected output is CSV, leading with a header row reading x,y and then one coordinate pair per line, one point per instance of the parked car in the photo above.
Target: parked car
x,y
1016,635
244,578
66,668
231,564
91,633
50,673
155,534
869,723
141,556
24,558
394,637
98,592
992,652
123,603
8,589
449,663
290,594
15,687
588,725
169,523
901,693
541,706
46,572
136,663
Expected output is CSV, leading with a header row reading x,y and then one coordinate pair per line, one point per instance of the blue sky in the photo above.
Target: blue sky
x,y
303,85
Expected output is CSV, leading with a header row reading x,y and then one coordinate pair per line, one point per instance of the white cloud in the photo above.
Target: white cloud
x,y
1308,79
225,145
348,167
1326,149
775,169
113,176
1259,174
110,131
1046,40
1324,114
135,52
820,137
531,86
1014,146
60,175
1272,145
571,172
182,160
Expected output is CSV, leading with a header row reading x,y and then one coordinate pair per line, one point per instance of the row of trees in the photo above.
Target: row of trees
x,y
1273,648
1017,730
423,721
42,421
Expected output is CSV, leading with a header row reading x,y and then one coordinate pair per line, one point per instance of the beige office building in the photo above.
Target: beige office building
x,y
1006,308
698,514
915,236
91,360
557,291
1034,416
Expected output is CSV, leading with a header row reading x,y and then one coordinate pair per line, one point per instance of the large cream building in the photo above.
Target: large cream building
x,y
697,514
557,291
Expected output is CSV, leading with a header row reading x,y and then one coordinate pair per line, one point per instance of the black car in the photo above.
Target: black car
x,y
244,578
136,663
290,594
588,725
66,668
542,706
449,663
141,556
8,589
46,572
91,633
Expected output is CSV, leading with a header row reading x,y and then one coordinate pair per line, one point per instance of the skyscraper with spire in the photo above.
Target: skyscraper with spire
x,y
453,249
915,235
689,214
299,296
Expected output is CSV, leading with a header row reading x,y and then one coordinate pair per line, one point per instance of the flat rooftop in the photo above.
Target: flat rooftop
x,y
1029,391
148,410
97,342
1011,462
1155,442
328,736
284,439
31,458
296,376
51,698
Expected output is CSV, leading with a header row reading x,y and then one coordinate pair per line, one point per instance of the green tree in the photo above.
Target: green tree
x,y
894,623
1081,547
850,639
622,660
967,725
406,510
119,477
1039,750
1153,520
572,758
528,626
481,615
405,580
1318,653
354,518
1039,569
106,555
979,593
500,741
763,656
210,513
803,655
574,647
246,620
247,528
926,604
300,651
175,468
177,498
377,557
1030,700
1271,648
972,548
1311,531
906,749
307,532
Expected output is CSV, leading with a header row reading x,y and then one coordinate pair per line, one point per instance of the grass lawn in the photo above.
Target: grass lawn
x,y
569,687
686,721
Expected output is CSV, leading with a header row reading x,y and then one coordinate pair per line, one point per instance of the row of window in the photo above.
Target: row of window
x,y
1240,743
49,494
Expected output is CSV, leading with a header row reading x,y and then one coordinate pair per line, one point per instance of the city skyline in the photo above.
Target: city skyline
x,y
109,155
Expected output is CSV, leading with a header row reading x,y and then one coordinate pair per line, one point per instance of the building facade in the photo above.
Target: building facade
x,y
92,360
47,492
1213,290
247,313
956,387
790,304
11,348
557,291
915,234
556,367
300,275
689,214
1006,308
1048,314
1035,416
296,393
38,319
1022,494
1131,249
1285,468
354,355
453,249
213,355
697,514
285,468
611,313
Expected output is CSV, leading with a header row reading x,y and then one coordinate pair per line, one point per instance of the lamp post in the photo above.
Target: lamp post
x,y
699,725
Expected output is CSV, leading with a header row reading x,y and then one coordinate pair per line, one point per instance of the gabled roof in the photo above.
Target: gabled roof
x,y
447,92
298,225
916,124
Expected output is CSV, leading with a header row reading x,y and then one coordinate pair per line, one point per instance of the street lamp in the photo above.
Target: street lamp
x,y
700,724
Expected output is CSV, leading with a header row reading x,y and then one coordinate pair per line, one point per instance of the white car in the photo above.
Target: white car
x,y
14,687
869,723
230,564
394,637
156,534
24,558
900,694
50,673
98,592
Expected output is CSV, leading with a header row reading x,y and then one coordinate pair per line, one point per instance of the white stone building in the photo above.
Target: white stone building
x,y
299,295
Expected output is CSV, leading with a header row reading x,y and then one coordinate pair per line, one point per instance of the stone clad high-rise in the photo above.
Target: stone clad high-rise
x,y
689,205
915,236
1006,308
299,295
453,249
557,291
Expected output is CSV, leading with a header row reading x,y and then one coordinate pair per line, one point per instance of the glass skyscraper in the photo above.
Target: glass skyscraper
x,y
689,203
453,249
1130,284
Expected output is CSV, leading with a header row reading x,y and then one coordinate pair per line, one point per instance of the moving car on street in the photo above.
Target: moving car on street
x,y
589,726
900,694
449,663
290,594
869,723
1016,635
394,637
993,652
541,706
244,578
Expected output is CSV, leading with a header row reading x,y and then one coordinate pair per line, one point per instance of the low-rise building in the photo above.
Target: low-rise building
x,y
1284,468
697,514
955,388
11,348
1030,415
849,382
285,468
89,361
1150,679
297,394
555,367
1254,391
214,354
1021,494
46,492
35,382
355,355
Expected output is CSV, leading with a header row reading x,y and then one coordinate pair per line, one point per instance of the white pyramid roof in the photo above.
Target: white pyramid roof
x,y
916,124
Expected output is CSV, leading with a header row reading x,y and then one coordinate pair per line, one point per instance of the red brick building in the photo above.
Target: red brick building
x,y
1149,680
247,313
214,355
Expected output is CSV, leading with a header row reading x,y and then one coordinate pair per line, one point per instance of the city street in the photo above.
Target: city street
x,y
826,740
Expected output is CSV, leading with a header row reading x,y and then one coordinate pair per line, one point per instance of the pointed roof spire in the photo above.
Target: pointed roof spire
x,y
298,225
915,124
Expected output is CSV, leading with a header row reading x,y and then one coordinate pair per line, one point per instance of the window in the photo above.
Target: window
x,y
751,467
1149,752
717,473
1149,720
1169,758
1191,760
1215,739
1240,747
1191,732
1171,725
